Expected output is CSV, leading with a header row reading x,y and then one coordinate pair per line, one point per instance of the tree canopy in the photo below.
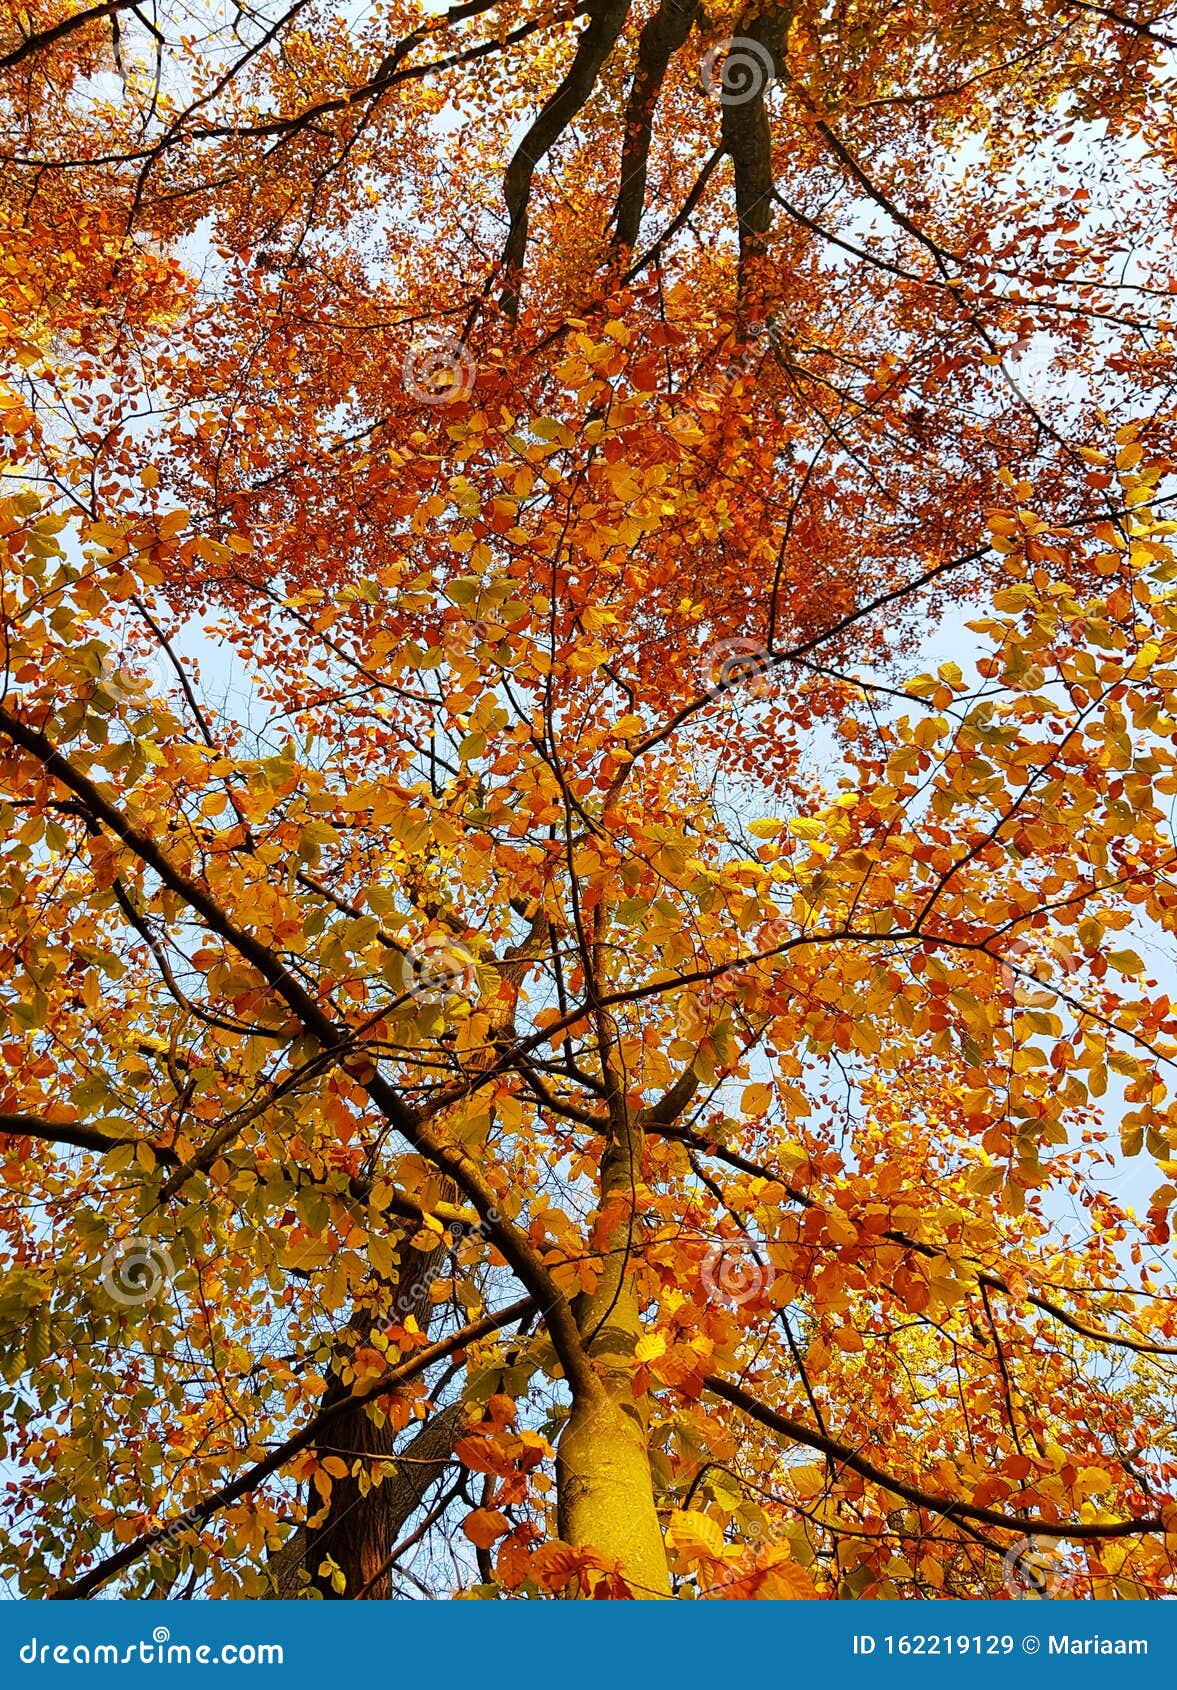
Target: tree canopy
x,y
587,747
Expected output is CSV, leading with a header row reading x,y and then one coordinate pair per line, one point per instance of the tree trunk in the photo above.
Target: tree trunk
x,y
358,1528
604,1489
419,1464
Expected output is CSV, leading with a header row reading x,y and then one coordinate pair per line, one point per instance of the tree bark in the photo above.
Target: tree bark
x,y
604,1489
419,1464
605,1493
358,1528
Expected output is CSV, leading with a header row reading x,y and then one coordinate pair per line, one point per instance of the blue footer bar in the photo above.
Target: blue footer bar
x,y
515,1646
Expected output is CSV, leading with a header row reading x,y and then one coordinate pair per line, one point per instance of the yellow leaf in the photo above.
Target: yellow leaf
x,y
694,1534
652,1345
756,1099
807,1478
839,1228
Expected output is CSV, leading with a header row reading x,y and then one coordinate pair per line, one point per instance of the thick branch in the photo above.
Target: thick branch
x,y
75,1133
661,38
947,1507
57,32
312,1432
606,19
758,52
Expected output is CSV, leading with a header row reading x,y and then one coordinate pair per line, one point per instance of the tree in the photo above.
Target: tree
x,y
542,1054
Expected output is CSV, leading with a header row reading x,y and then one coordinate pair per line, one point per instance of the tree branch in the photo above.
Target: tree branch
x,y
947,1507
310,1433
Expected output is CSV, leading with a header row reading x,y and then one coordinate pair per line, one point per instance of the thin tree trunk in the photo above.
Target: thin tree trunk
x,y
605,1494
358,1528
